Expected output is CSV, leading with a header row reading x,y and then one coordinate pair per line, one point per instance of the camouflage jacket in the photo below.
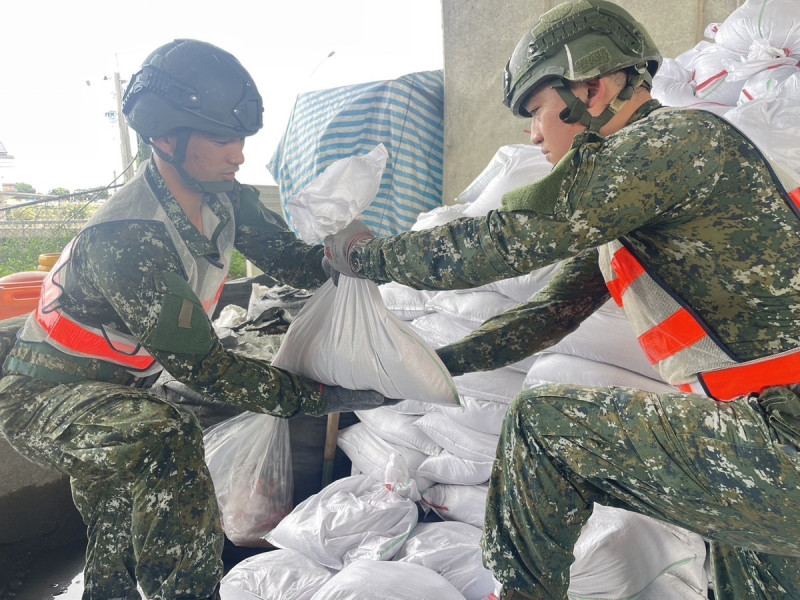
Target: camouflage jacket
x,y
111,283
692,195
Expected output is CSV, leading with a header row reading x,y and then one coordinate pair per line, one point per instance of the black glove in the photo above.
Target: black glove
x,y
341,399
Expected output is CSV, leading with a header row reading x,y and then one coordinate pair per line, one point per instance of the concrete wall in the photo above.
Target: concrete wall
x,y
479,36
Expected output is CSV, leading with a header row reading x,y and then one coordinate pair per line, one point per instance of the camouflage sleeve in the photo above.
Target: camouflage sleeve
x,y
609,189
133,283
263,237
575,292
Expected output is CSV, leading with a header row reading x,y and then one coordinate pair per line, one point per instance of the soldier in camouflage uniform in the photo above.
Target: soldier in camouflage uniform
x,y
132,294
693,231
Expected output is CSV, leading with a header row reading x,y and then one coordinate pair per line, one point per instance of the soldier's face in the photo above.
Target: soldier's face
x,y
547,129
213,158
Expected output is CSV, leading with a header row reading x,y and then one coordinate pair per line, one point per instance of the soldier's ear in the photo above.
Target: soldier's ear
x,y
166,144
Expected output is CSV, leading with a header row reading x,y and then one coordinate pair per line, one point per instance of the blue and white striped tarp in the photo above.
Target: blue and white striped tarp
x,y
405,114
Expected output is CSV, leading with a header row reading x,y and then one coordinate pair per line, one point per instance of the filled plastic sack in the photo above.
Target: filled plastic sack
x,y
398,429
344,335
774,21
281,574
351,518
451,549
446,467
454,502
250,461
481,415
393,580
773,124
457,438
575,370
621,554
369,454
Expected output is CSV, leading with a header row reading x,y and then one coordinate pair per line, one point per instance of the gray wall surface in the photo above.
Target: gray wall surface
x,y
479,36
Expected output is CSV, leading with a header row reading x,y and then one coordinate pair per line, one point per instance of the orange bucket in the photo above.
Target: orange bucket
x,y
19,293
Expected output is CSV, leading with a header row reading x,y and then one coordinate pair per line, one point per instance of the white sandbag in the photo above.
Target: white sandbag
x,y
438,329
453,502
522,288
345,336
574,370
686,59
500,385
511,167
760,57
282,574
230,592
775,21
475,306
766,82
370,454
790,88
458,439
606,336
451,549
673,86
393,580
481,415
440,215
446,467
620,553
415,407
398,429
405,302
337,195
773,124
712,83
351,518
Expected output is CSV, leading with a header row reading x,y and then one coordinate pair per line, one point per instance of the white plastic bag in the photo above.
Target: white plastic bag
x,y
249,457
392,580
355,517
451,549
281,574
345,335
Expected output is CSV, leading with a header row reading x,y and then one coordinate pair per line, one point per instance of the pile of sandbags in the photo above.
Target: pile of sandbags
x,y
748,72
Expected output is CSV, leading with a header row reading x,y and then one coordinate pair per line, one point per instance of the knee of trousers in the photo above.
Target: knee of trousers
x,y
169,428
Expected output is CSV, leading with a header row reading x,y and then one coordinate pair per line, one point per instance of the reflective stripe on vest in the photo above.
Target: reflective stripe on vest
x,y
682,330
68,334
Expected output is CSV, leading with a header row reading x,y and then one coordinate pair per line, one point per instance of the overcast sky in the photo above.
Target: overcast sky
x,y
56,55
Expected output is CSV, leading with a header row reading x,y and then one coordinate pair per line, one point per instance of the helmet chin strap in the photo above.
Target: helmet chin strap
x,y
179,157
578,112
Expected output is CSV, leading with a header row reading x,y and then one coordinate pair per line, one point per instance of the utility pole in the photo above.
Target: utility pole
x,y
124,136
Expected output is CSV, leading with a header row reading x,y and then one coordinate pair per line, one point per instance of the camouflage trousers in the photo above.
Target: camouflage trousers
x,y
727,471
139,479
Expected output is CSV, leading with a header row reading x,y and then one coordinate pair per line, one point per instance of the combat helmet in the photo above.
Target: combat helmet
x,y
188,85
578,41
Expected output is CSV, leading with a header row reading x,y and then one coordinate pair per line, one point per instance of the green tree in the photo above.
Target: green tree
x,y
59,191
25,188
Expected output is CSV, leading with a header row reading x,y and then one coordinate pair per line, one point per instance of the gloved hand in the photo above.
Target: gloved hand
x,y
341,399
340,247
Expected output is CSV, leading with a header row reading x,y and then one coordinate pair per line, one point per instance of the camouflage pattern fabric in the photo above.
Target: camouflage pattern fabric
x,y
135,461
139,480
728,471
702,208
